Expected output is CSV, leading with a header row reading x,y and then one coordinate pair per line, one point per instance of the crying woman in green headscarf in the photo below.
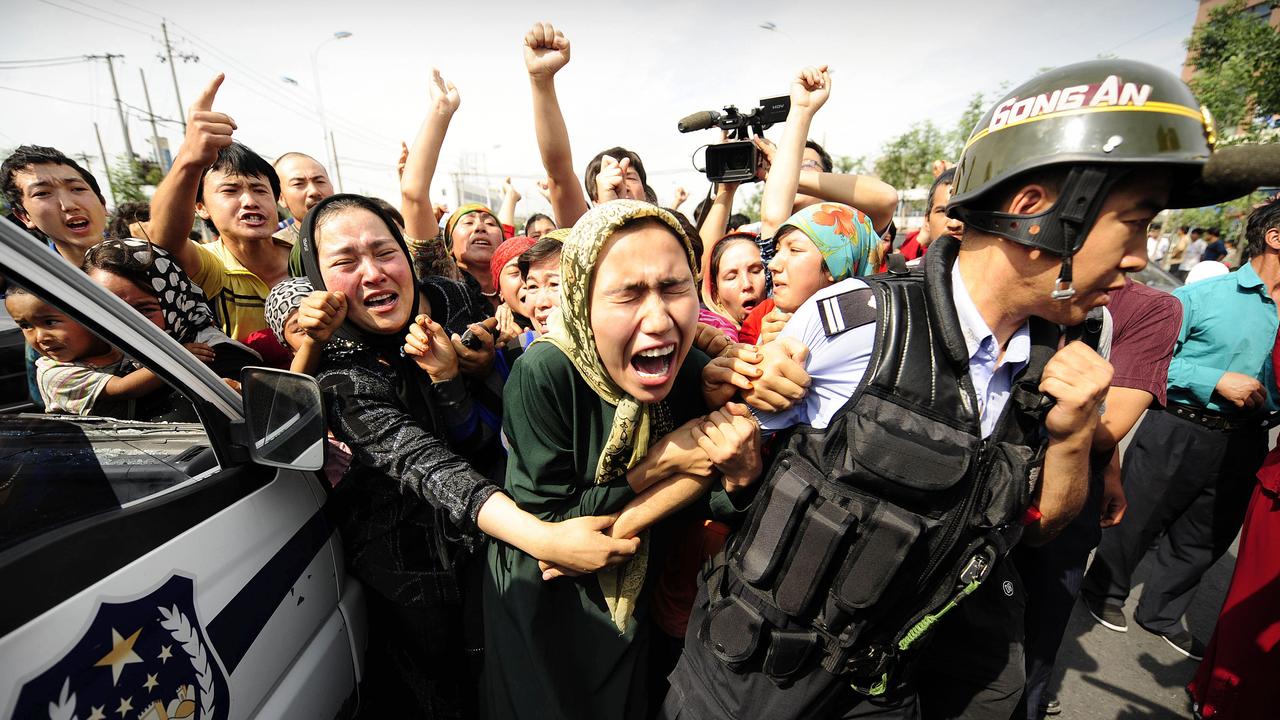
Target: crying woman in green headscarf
x,y
605,417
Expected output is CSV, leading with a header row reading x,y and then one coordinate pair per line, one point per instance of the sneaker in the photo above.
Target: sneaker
x,y
1052,707
1108,613
1182,641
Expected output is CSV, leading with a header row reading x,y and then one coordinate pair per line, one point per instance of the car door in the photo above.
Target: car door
x,y
142,584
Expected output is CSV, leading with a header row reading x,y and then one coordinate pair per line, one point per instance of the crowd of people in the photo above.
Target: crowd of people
x,y
620,462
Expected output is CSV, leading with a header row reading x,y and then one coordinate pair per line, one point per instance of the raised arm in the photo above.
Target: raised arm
x,y
546,50
507,213
716,223
173,207
809,91
415,184
1077,378
872,196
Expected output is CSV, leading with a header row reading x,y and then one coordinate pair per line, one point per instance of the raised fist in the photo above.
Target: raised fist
x,y
546,50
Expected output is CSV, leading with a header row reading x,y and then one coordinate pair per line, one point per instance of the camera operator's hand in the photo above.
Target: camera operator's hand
x,y
811,89
612,178
765,150
546,50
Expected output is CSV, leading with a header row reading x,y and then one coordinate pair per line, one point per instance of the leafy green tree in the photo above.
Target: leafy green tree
x,y
125,183
1236,56
905,160
851,165
973,112
750,206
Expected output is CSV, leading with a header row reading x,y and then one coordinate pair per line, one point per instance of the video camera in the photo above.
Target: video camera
x,y
735,162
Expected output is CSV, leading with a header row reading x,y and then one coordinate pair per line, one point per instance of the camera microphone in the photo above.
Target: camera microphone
x,y
698,121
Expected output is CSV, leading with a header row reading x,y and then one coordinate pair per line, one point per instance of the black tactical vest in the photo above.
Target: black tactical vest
x,y
868,531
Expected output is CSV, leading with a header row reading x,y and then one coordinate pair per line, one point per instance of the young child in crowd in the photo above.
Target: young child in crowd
x,y
78,373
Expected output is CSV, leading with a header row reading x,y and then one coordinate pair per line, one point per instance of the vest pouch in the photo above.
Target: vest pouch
x,y
911,454
821,534
732,630
1012,474
884,541
789,652
779,512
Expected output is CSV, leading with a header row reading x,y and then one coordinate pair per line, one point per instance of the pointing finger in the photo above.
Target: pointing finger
x,y
205,100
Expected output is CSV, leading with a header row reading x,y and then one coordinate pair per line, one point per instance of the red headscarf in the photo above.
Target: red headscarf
x,y
506,252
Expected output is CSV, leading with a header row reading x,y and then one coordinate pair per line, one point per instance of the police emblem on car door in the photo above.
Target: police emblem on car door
x,y
147,658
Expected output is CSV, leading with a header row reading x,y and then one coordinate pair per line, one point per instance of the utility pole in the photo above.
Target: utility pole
x,y
155,134
168,51
115,89
337,169
106,168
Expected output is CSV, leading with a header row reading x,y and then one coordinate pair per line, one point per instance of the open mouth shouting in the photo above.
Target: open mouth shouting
x,y
252,219
382,302
653,365
78,224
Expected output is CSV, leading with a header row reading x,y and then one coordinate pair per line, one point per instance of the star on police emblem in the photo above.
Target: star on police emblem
x,y
147,659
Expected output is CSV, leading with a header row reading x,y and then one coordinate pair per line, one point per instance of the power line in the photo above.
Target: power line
x,y
55,97
33,66
347,125
104,11
76,58
95,18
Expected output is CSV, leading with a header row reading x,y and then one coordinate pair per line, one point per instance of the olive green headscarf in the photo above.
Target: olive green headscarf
x,y
629,437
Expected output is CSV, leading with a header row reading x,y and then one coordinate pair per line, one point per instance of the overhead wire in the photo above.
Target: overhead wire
x,y
95,17
269,85
32,66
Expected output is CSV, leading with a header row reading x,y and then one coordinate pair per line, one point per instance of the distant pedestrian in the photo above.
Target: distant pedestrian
x,y
1189,471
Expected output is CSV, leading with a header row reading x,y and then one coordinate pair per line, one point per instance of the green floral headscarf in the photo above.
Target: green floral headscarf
x,y
629,436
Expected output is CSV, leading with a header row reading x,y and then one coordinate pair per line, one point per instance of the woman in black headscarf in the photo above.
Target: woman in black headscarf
x,y
411,509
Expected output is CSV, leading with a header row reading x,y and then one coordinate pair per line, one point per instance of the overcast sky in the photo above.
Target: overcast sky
x,y
636,69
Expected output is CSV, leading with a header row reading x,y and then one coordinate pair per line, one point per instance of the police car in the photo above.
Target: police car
x,y
169,570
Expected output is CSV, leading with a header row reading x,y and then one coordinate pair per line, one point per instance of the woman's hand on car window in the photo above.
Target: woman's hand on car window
x,y
204,353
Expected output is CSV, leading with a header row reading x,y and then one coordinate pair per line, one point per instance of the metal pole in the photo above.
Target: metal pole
x,y
106,168
155,133
124,125
337,169
168,49
315,80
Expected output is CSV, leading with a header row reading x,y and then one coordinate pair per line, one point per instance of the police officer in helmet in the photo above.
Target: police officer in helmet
x,y
948,418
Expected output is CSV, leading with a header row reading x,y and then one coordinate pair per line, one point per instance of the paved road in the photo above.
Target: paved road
x,y
1106,675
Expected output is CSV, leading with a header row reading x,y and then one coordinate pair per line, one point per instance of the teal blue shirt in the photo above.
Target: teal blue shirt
x,y
1229,324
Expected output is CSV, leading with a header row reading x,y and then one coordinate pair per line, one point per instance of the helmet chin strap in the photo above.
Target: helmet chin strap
x,y
1060,230
1062,289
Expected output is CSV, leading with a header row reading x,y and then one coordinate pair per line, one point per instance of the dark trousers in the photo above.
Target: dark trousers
x,y
1192,484
1052,575
972,668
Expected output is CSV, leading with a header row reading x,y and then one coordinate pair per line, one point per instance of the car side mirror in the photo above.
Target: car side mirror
x,y
284,417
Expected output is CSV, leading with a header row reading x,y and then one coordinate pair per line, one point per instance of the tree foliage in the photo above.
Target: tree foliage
x,y
1236,56
906,161
126,186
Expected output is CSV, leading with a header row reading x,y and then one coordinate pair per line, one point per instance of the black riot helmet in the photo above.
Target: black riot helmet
x,y
1099,119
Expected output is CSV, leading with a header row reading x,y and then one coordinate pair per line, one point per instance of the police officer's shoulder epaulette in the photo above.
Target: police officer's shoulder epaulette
x,y
847,311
